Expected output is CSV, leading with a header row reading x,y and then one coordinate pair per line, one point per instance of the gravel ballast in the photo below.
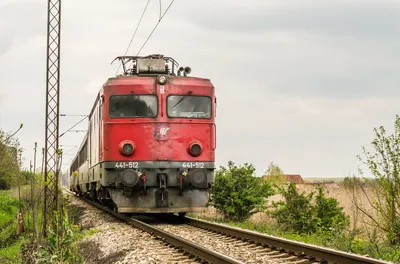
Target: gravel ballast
x,y
237,249
117,242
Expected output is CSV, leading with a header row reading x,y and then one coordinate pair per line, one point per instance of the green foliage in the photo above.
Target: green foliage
x,y
299,214
237,193
274,170
295,212
60,246
353,182
9,246
275,175
329,214
9,167
11,254
8,209
383,162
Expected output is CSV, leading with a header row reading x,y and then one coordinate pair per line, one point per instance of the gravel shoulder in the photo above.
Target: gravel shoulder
x,y
115,242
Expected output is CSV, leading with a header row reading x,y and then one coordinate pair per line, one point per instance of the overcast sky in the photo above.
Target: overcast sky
x,y
301,83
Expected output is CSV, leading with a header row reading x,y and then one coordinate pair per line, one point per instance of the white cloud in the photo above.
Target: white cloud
x,y
301,91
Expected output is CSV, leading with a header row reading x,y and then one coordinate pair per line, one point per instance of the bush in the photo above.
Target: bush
x,y
329,214
61,246
4,185
297,212
9,167
237,193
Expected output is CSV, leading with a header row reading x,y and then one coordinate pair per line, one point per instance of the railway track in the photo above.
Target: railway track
x,y
253,247
216,243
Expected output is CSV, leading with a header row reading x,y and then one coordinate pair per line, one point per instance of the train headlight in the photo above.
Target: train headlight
x,y
162,79
198,178
188,70
127,147
195,148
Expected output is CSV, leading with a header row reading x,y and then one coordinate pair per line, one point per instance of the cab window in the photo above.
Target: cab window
x,y
189,106
133,106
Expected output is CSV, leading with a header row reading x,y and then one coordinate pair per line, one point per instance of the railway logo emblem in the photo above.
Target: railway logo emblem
x,y
161,132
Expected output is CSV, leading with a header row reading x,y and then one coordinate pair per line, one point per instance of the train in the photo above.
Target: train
x,y
151,140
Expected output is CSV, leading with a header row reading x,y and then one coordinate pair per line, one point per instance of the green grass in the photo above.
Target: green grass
x,y
8,208
86,233
11,254
10,245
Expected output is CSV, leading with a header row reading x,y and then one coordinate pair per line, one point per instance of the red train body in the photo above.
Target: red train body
x,y
151,140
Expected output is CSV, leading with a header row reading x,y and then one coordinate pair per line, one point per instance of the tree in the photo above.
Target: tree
x,y
237,193
275,175
274,170
383,162
9,167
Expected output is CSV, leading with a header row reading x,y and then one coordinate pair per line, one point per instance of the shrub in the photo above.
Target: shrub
x,y
4,185
237,193
60,245
297,212
329,214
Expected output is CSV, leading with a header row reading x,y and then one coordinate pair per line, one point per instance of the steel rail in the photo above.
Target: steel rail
x,y
302,250
312,252
199,251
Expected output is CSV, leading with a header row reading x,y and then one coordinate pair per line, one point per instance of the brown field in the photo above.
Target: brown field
x,y
335,190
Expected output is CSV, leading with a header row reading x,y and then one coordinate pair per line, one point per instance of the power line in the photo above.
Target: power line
x,y
144,44
73,126
72,115
134,34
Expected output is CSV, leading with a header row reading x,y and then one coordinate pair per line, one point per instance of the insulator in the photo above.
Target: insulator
x,y
133,69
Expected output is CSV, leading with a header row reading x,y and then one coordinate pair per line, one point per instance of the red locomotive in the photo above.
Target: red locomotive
x,y
150,146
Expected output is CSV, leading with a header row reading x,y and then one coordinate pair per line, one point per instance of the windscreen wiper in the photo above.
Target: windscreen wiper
x,y
183,98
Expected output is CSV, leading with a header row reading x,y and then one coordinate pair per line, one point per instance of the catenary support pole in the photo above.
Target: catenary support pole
x,y
51,180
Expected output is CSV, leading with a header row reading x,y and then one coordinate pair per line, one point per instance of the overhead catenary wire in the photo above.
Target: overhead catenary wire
x,y
134,33
159,20
73,126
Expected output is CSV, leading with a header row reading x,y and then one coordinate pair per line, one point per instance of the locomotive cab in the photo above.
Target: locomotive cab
x,y
152,139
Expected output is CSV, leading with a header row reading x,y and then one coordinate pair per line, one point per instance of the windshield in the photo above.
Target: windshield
x,y
133,106
189,106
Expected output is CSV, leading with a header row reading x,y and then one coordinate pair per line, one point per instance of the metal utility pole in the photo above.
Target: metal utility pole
x,y
20,218
34,219
51,176
19,180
